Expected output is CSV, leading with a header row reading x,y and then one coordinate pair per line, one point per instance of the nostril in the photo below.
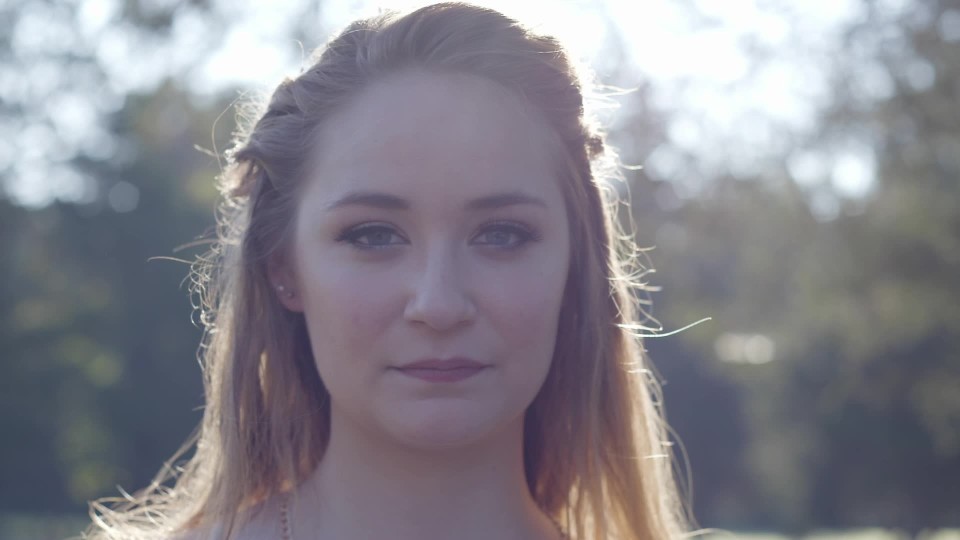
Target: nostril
x,y
440,297
440,309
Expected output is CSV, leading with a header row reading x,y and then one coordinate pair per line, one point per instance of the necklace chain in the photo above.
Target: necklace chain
x,y
287,535
285,518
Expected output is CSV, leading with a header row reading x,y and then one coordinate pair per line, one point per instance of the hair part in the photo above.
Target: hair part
x,y
596,444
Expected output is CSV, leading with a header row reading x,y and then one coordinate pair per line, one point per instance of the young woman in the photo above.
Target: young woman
x,y
418,310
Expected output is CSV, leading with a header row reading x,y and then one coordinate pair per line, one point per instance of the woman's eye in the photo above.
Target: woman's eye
x,y
505,235
371,237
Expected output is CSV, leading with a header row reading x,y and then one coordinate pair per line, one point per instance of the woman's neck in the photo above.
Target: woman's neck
x,y
372,489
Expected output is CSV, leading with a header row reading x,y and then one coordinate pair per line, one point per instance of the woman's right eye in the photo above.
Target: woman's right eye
x,y
371,236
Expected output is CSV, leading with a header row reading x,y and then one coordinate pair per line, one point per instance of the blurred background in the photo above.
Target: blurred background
x,y
799,185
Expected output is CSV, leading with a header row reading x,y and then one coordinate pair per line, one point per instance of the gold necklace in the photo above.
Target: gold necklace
x,y
287,535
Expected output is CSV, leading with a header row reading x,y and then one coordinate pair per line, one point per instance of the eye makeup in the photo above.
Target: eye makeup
x,y
503,235
372,235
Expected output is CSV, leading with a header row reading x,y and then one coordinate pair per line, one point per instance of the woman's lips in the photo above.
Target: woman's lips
x,y
437,370
442,375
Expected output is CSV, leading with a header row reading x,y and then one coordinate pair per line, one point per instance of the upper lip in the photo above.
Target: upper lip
x,y
443,364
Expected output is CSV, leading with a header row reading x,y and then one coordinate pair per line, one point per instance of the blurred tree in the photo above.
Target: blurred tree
x,y
101,356
97,135
892,404
835,304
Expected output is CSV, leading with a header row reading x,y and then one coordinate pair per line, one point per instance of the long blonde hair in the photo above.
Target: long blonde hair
x,y
596,450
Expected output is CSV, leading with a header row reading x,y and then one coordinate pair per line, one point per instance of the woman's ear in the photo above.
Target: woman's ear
x,y
283,281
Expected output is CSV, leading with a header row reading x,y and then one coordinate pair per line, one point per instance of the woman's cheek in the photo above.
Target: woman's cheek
x,y
358,296
526,297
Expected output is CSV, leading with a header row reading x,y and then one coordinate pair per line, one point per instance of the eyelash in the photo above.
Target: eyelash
x,y
524,233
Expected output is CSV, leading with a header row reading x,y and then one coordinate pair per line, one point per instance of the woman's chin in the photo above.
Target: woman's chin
x,y
438,429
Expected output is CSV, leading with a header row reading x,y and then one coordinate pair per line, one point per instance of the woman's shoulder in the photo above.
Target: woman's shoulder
x,y
200,532
259,522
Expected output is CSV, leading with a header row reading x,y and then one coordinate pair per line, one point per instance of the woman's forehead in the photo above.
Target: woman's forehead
x,y
426,131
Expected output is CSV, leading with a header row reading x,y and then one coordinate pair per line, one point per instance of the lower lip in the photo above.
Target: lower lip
x,y
442,375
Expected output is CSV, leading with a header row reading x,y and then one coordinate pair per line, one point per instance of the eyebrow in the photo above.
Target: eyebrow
x,y
387,201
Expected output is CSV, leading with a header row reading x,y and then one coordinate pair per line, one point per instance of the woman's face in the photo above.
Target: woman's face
x,y
432,228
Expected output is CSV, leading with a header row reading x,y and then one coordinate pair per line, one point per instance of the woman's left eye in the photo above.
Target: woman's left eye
x,y
505,235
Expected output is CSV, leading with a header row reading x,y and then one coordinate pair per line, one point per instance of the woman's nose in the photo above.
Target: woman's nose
x,y
440,297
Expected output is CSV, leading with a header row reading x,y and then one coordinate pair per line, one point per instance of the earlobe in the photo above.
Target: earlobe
x,y
288,298
283,283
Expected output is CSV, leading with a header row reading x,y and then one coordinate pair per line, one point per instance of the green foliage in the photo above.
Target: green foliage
x,y
99,337
856,420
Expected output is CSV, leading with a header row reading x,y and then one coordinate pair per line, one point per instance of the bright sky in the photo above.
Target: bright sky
x,y
726,107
